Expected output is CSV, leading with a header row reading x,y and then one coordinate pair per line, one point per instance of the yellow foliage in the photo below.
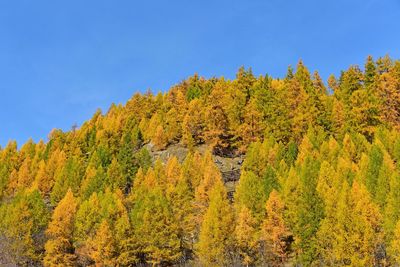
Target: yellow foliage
x,y
59,247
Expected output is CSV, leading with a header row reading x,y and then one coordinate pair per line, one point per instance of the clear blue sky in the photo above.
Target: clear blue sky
x,y
61,60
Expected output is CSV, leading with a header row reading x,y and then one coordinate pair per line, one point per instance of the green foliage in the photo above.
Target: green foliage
x,y
374,165
310,212
155,228
69,177
319,182
252,193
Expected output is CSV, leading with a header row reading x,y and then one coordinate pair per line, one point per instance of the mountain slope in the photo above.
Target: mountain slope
x,y
311,176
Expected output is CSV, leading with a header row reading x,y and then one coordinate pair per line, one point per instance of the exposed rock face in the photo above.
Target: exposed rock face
x,y
177,150
229,166
231,176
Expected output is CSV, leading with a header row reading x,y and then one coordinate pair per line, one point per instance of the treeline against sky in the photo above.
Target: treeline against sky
x,y
320,184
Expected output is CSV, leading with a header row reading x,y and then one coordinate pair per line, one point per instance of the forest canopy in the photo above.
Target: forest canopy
x,y
319,179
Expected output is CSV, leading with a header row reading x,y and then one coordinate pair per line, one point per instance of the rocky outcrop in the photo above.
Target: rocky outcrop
x,y
229,166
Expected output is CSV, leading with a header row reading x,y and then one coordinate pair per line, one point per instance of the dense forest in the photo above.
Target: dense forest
x,y
319,178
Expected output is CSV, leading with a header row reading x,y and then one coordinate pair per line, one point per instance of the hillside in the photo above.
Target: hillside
x,y
255,171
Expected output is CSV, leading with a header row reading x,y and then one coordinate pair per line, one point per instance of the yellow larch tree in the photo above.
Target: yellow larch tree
x,y
394,247
103,247
211,176
275,233
216,240
59,247
246,236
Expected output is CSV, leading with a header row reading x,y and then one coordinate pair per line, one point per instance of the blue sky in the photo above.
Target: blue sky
x,y
61,60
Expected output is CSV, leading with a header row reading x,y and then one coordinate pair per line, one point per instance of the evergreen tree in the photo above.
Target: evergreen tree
x,y
95,180
87,220
383,182
370,72
309,214
126,242
69,177
326,162
251,193
374,164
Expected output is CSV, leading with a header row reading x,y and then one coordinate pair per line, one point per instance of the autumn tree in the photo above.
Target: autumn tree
x,y
210,175
9,160
238,94
275,234
59,247
391,212
216,241
319,181
394,247
193,124
333,190
252,128
23,221
181,197
154,224
364,233
246,236
103,247
389,99
216,131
